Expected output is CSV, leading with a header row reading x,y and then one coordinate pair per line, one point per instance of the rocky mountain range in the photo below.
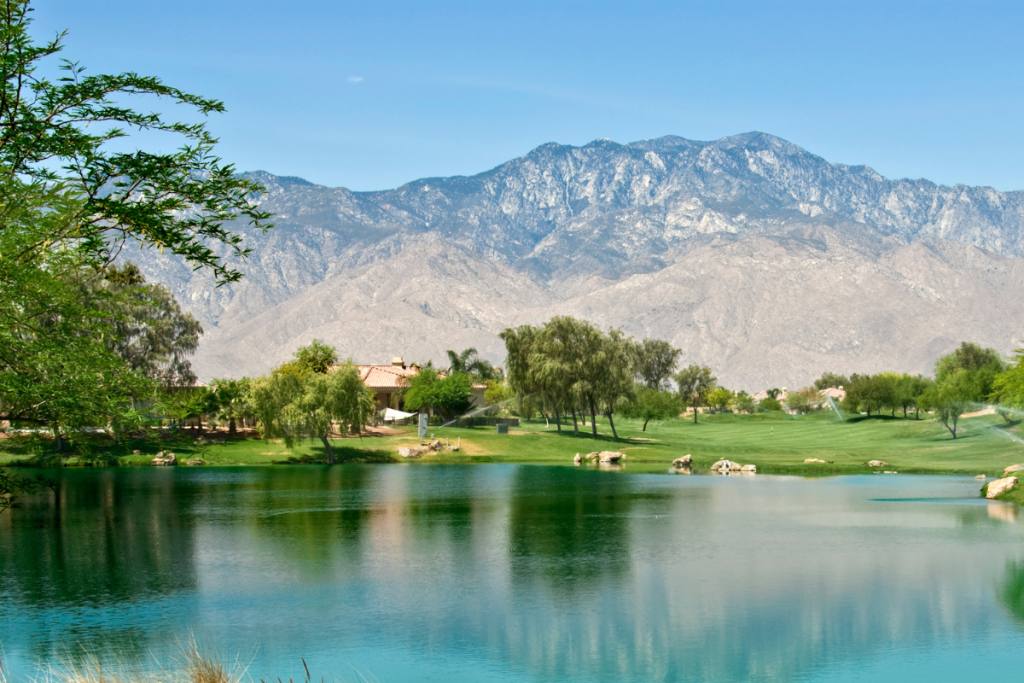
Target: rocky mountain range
x,y
751,254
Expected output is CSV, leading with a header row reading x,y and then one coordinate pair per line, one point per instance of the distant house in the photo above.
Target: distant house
x,y
762,395
387,382
834,393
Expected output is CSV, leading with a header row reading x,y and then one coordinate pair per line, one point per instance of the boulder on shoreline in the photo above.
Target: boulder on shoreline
x,y
810,461
195,463
1013,468
1000,486
578,459
749,469
682,462
726,466
981,476
611,456
414,451
164,459
877,463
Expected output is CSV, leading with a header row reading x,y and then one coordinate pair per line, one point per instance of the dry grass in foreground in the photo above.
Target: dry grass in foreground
x,y
196,664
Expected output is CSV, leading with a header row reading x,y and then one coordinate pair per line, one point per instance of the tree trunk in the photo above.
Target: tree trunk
x,y
327,447
611,422
645,426
593,417
917,412
904,412
558,421
694,412
232,428
575,424
894,411
58,440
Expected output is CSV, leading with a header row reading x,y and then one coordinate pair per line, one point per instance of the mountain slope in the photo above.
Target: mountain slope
x,y
801,247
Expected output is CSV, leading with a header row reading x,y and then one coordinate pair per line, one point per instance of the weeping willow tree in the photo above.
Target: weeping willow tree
x,y
306,398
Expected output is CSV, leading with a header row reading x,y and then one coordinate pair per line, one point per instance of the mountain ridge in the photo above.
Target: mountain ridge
x,y
573,221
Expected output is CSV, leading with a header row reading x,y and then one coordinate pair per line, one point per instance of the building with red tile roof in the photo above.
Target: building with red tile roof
x,y
388,381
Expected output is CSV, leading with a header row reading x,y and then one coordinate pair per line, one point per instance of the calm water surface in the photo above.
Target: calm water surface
x,y
520,573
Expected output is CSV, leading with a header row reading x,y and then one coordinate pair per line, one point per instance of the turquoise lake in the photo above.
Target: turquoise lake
x,y
518,574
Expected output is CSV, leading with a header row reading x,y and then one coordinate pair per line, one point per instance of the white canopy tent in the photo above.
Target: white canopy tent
x,y
390,415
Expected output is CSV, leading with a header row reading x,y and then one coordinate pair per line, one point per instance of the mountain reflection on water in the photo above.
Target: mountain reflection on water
x,y
517,573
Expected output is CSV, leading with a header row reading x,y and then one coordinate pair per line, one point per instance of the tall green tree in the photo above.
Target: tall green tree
x,y
830,380
1008,387
449,396
951,397
869,393
615,386
649,404
315,356
654,361
742,402
70,202
148,329
981,364
719,398
55,142
296,402
578,349
695,383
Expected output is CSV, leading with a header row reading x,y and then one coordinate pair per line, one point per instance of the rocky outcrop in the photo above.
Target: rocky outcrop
x,y
578,459
603,456
749,469
726,466
1013,468
1000,486
164,459
684,461
414,451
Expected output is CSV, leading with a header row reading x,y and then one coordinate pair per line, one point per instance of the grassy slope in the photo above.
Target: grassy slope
x,y
774,442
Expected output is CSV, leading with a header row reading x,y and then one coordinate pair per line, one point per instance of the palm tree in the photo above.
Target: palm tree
x,y
468,363
232,401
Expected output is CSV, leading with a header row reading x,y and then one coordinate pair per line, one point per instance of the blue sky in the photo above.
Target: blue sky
x,y
369,95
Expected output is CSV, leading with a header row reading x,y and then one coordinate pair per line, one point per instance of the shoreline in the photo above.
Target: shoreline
x,y
776,444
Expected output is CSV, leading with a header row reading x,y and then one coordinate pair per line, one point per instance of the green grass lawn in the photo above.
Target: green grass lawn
x,y
775,442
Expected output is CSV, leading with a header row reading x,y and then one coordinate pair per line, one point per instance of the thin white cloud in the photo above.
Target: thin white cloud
x,y
355,79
